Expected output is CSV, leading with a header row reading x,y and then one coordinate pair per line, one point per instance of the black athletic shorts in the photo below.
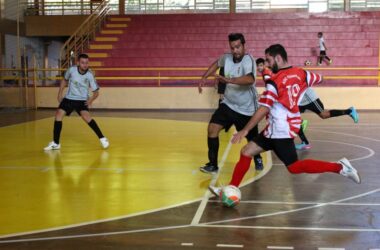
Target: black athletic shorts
x,y
315,106
227,117
70,105
322,53
283,148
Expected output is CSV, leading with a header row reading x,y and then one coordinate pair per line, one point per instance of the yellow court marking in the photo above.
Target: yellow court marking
x,y
120,19
150,164
106,39
101,46
97,55
111,32
116,25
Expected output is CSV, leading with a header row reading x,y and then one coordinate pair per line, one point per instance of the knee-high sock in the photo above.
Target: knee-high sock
x,y
336,112
314,167
57,131
95,128
240,170
213,149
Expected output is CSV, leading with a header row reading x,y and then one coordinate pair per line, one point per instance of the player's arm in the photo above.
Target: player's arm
x,y
324,45
260,113
313,78
210,71
95,95
62,86
242,80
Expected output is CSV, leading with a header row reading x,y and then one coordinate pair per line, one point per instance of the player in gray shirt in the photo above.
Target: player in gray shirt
x,y
240,98
79,80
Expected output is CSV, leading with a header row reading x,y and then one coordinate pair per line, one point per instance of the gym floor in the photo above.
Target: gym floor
x,y
146,192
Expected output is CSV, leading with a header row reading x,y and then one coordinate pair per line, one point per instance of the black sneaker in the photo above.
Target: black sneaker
x,y
208,168
259,166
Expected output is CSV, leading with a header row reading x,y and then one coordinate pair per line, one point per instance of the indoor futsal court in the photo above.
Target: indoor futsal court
x,y
118,123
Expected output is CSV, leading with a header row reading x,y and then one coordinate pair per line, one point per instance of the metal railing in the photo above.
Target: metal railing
x,y
81,38
75,7
52,76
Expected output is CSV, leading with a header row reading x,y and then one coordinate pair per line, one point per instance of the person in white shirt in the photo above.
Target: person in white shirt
x,y
322,50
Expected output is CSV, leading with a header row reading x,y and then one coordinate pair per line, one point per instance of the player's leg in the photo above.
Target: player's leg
x,y
64,108
304,141
219,120
320,58
319,109
240,121
286,152
83,111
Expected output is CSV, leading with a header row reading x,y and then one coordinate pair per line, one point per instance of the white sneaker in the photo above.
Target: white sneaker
x,y
349,171
105,143
215,190
52,146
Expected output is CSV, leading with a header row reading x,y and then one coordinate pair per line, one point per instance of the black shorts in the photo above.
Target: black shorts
x,y
322,53
226,117
283,148
70,105
315,106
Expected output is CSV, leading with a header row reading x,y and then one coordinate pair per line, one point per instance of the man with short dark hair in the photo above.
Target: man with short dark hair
x,y
79,80
239,100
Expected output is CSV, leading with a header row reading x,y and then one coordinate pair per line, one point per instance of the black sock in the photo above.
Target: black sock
x,y
57,131
302,136
335,112
213,148
258,157
96,129
328,58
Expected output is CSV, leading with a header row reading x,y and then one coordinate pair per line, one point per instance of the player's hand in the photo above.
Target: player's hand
x,y
201,84
88,103
239,136
221,79
59,98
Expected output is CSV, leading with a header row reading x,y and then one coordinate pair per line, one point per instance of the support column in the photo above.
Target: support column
x,y
347,6
122,7
232,6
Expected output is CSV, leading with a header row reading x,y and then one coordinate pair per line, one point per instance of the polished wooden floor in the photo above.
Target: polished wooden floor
x,y
145,191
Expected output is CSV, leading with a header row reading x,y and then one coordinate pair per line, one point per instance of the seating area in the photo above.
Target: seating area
x,y
183,46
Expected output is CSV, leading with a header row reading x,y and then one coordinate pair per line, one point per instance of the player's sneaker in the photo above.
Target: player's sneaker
x,y
330,61
303,146
304,125
215,190
354,115
319,64
349,171
209,169
52,146
259,166
104,142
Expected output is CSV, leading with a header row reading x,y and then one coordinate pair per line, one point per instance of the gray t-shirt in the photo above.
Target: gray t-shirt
x,y
309,97
241,99
79,84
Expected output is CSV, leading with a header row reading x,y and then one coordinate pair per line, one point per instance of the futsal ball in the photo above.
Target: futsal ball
x,y
230,196
307,63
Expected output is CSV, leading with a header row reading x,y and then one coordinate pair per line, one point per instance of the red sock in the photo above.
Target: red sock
x,y
240,170
313,167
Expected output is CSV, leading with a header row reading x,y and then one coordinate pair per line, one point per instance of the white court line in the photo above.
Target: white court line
x,y
329,248
294,210
329,229
340,133
229,245
95,235
97,221
187,244
302,203
198,215
279,247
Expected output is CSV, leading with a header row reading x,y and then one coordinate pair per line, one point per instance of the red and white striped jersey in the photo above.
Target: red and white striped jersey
x,y
267,74
282,95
